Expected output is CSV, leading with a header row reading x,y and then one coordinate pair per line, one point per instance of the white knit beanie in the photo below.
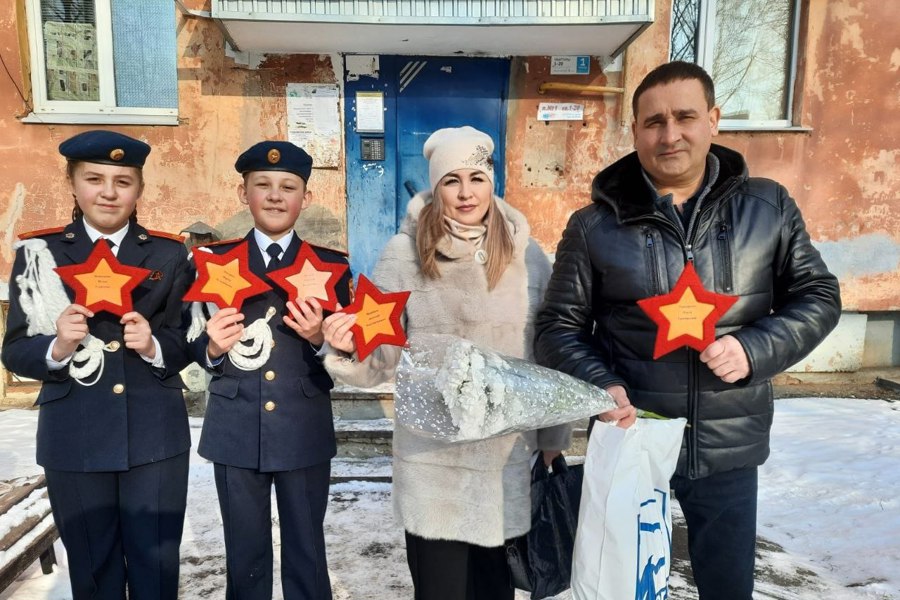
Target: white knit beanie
x,y
458,148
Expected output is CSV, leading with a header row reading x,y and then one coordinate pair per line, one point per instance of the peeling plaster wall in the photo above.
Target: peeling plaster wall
x,y
843,171
550,166
224,107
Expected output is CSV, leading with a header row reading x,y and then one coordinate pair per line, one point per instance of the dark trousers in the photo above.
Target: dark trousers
x,y
245,497
448,570
122,529
720,511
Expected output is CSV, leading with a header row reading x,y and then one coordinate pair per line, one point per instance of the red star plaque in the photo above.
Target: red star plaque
x,y
225,279
310,276
102,282
687,315
377,317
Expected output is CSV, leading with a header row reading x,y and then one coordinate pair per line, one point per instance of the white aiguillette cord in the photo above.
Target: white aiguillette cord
x,y
43,299
255,345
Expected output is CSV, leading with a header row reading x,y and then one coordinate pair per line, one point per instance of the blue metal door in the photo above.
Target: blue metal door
x,y
421,95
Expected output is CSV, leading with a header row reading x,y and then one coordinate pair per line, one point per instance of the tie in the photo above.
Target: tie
x,y
273,250
112,246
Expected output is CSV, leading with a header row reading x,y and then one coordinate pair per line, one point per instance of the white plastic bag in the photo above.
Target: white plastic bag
x,y
623,547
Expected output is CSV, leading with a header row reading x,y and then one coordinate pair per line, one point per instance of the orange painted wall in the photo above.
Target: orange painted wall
x,y
843,171
224,107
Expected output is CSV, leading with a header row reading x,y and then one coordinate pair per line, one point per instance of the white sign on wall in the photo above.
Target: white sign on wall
x,y
570,65
560,111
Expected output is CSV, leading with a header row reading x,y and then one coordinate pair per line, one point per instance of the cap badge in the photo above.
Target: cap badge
x,y
274,156
117,154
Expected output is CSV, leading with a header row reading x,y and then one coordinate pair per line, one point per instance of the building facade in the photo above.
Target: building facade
x,y
809,90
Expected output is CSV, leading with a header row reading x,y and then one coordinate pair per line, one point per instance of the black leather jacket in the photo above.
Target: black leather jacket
x,y
746,238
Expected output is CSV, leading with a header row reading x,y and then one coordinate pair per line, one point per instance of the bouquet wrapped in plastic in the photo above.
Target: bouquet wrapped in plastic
x,y
452,390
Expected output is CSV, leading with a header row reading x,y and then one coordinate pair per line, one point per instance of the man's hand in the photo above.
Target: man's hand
x,y
137,334
336,329
306,319
224,329
625,415
727,359
71,328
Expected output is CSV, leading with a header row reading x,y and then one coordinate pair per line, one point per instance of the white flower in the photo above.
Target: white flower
x,y
450,389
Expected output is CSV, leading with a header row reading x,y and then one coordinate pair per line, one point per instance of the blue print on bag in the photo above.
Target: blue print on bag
x,y
654,546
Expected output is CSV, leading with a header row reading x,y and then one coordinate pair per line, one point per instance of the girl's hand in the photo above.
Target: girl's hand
x,y
71,329
137,334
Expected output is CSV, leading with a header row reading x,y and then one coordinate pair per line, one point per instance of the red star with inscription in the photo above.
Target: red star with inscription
x,y
102,282
310,276
687,315
377,317
225,279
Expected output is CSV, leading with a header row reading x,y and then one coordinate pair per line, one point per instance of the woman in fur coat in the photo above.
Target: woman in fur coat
x,y
474,272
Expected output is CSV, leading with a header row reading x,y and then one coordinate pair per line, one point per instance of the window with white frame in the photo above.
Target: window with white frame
x,y
103,61
749,49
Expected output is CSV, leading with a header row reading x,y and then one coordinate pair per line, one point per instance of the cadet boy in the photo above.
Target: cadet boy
x,y
271,424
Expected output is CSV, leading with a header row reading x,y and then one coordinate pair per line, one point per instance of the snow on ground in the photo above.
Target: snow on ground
x,y
830,491
828,511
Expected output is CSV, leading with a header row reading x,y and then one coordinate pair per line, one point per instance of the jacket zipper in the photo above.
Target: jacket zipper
x,y
686,239
687,244
693,401
726,257
654,265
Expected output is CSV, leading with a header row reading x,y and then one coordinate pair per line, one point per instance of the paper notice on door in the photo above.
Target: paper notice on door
x,y
370,112
314,121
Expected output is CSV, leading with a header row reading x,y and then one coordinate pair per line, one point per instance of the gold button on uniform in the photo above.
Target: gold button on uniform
x,y
114,345
270,375
118,388
270,406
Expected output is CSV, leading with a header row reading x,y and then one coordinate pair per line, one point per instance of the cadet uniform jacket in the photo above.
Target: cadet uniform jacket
x,y
277,417
135,413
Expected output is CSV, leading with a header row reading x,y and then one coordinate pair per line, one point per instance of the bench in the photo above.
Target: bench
x,y
27,531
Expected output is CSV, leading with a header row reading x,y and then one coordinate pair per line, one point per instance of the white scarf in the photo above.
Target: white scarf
x,y
463,241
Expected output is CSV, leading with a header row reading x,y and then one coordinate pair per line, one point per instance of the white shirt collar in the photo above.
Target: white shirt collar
x,y
115,238
264,241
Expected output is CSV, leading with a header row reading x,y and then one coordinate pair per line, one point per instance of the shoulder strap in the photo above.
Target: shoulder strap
x,y
40,232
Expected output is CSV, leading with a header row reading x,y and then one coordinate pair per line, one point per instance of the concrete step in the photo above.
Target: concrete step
x,y
579,442
363,438
353,403
379,468
376,469
368,438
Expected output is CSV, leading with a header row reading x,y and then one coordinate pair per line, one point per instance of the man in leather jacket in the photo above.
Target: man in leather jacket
x,y
678,199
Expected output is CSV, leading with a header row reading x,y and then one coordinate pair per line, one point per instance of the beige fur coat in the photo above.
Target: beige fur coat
x,y
476,492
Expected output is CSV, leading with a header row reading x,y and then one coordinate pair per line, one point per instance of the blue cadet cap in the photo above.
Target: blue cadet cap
x,y
275,156
105,147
